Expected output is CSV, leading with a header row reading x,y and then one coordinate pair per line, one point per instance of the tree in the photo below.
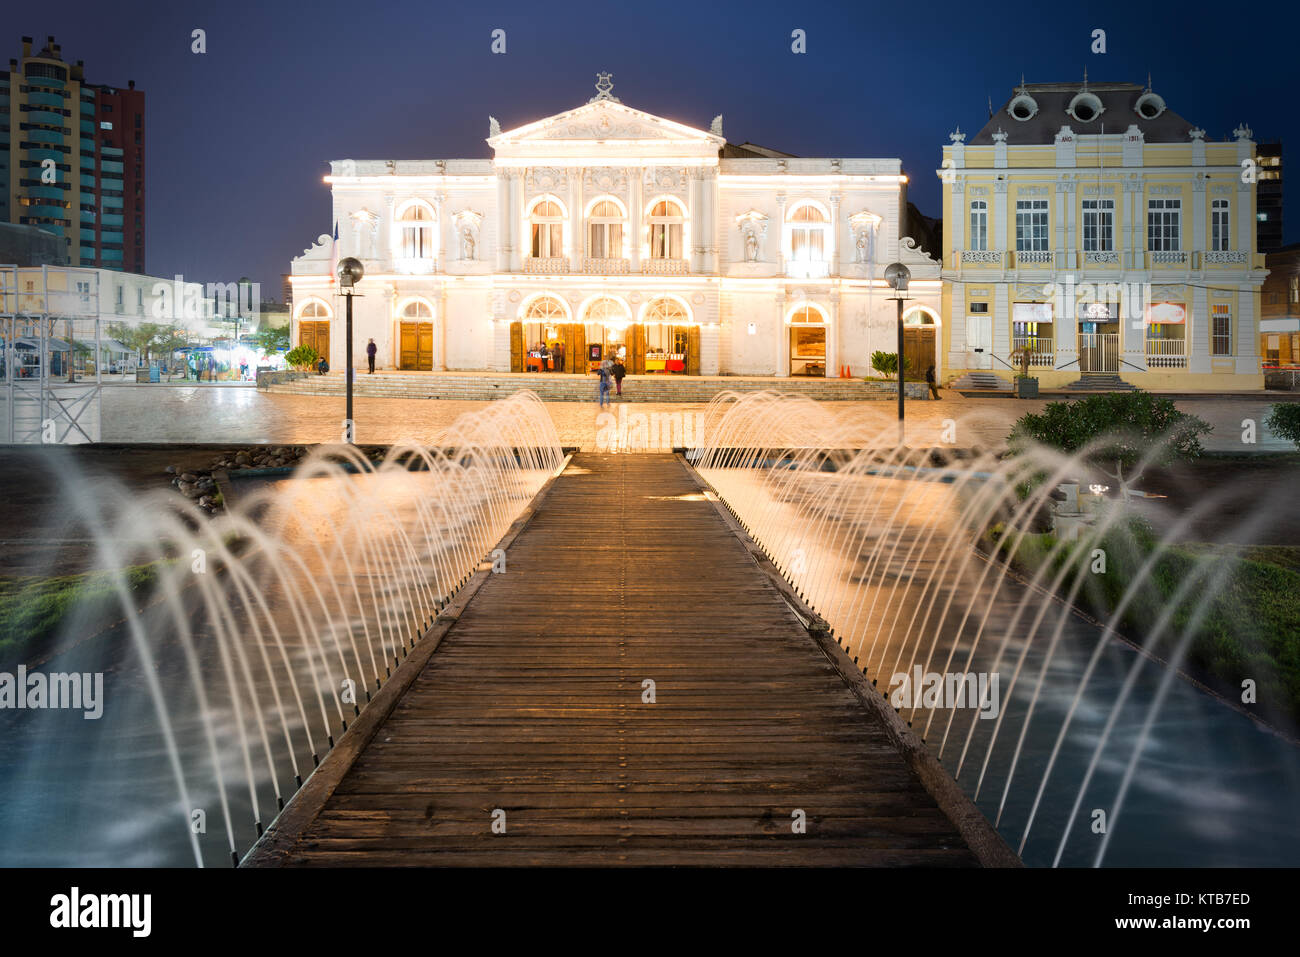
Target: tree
x,y
1284,421
138,337
1120,427
886,363
271,340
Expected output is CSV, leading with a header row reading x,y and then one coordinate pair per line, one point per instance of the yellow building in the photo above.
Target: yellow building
x,y
1095,230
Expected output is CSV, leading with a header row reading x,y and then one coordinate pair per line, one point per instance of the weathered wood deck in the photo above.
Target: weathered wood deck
x,y
533,704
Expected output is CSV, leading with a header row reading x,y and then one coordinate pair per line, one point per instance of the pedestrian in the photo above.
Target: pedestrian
x,y
929,380
602,391
619,371
212,369
322,367
371,350
559,357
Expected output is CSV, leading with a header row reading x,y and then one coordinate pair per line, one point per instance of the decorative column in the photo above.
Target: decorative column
x,y
833,337
780,236
709,222
439,202
781,366
503,220
693,205
390,227
516,213
440,340
577,241
1196,327
835,235
635,174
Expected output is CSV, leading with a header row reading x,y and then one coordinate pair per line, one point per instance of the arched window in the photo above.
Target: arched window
x,y
314,309
417,309
808,227
546,309
605,231
548,230
806,314
666,225
416,222
606,310
666,310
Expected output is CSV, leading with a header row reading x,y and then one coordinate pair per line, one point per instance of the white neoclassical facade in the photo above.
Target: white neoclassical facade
x,y
606,230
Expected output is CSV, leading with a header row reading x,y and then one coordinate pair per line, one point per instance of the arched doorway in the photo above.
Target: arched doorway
x,y
607,321
545,338
807,324
314,326
666,339
920,350
415,336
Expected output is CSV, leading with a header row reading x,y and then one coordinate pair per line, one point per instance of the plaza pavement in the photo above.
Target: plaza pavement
x,y
240,413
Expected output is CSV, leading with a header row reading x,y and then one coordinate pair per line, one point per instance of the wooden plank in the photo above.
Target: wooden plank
x,y
534,705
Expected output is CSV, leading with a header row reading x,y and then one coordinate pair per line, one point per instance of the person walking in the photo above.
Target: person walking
x,y
602,391
559,357
371,350
619,371
930,381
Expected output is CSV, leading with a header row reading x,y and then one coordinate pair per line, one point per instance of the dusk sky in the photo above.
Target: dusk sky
x,y
238,138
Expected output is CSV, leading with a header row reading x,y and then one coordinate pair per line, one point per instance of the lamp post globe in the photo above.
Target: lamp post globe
x,y
350,271
898,276
349,274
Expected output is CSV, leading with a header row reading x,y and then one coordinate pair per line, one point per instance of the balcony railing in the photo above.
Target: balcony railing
x,y
1168,353
1168,257
605,267
985,257
1033,257
546,265
1101,257
1223,256
807,268
664,267
1042,350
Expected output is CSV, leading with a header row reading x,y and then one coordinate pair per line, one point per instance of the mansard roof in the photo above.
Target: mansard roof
x,y
1119,102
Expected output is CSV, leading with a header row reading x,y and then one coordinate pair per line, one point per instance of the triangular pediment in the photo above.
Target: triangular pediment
x,y
604,122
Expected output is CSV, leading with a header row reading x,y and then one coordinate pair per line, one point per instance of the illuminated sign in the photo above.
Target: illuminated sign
x,y
1166,313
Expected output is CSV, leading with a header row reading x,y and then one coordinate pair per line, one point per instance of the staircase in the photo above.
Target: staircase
x,y
1100,382
564,387
981,381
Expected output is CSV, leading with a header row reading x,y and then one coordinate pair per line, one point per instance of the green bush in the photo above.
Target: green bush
x,y
1284,421
886,363
302,357
1127,424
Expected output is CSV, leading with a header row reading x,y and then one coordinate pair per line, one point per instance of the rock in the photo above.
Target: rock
x,y
189,477
191,491
243,458
171,470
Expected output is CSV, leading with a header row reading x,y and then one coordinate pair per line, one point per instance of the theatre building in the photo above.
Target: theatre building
x,y
608,231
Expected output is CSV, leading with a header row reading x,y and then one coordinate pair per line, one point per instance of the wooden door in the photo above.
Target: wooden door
x,y
575,348
918,350
316,335
693,350
636,350
516,347
416,346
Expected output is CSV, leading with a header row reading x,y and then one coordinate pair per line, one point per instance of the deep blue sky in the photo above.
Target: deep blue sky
x,y
238,138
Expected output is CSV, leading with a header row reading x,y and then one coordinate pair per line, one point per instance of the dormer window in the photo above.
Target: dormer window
x,y
1149,105
1085,107
1023,107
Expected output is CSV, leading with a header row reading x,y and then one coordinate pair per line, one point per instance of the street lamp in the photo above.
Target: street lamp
x,y
350,273
897,275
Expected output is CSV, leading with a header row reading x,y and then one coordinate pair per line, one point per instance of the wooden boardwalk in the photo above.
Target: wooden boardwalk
x,y
533,705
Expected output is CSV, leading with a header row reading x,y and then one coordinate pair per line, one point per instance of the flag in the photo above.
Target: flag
x,y
334,254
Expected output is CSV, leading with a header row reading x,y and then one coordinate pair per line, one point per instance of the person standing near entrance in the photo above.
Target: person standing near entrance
x,y
371,350
930,381
559,357
619,371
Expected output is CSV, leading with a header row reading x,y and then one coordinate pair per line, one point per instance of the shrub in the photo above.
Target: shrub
x,y
886,363
302,357
1284,421
1127,424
